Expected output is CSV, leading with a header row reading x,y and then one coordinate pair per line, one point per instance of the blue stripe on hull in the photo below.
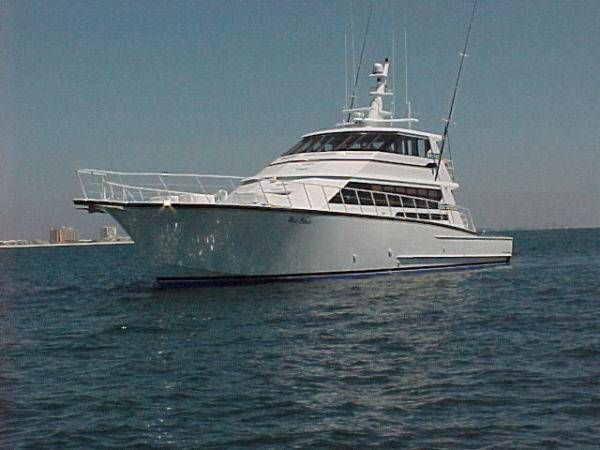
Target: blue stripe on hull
x,y
176,282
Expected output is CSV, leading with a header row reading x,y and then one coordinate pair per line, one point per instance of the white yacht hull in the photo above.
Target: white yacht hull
x,y
227,243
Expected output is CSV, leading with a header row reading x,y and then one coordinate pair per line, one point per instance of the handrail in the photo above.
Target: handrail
x,y
293,194
195,175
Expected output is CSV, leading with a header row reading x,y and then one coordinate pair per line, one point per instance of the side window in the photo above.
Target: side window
x,y
412,147
421,145
427,147
400,145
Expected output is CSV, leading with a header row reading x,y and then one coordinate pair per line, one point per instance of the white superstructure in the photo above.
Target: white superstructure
x,y
366,197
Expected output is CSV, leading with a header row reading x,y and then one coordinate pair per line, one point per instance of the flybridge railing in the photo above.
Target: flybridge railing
x,y
167,189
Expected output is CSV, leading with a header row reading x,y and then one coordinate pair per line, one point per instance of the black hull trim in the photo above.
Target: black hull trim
x,y
179,282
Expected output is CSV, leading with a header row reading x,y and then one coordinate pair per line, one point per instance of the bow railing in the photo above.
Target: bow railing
x,y
151,187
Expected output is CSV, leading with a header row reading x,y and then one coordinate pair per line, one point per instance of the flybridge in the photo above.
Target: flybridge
x,y
374,115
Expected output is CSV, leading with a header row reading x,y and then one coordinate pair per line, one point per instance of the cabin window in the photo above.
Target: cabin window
x,y
303,146
360,142
423,216
397,196
333,141
420,203
363,141
412,147
439,217
395,201
295,148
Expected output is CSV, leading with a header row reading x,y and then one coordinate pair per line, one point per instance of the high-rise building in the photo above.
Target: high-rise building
x,y
62,234
55,237
108,233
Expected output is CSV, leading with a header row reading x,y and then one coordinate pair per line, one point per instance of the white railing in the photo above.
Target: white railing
x,y
151,187
168,189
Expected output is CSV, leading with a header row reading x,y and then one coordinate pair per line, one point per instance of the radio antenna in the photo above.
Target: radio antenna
x,y
362,52
352,39
463,55
407,101
393,77
345,70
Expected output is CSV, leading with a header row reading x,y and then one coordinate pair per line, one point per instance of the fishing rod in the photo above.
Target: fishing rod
x,y
463,55
360,60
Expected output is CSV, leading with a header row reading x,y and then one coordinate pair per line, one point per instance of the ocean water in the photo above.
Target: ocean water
x,y
92,356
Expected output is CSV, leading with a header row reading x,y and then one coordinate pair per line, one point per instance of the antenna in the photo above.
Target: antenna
x,y
393,77
345,70
463,55
352,40
406,100
362,52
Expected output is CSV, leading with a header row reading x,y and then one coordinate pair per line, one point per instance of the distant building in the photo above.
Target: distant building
x,y
108,233
63,234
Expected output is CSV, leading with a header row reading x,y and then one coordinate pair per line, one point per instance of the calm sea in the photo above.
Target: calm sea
x,y
91,355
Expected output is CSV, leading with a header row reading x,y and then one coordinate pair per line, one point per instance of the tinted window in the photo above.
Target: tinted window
x,y
365,141
408,197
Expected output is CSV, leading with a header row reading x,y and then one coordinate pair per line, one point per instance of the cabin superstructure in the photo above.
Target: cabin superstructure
x,y
368,155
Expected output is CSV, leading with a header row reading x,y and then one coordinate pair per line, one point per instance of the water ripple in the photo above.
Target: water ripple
x,y
93,357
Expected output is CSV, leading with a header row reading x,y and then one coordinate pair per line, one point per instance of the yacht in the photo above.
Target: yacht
x,y
370,196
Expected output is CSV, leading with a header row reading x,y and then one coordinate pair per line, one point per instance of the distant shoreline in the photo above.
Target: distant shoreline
x,y
67,244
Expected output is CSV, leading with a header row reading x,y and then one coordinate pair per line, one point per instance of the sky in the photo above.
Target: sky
x,y
224,87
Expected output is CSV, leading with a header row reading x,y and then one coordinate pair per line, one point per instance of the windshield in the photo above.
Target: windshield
x,y
365,141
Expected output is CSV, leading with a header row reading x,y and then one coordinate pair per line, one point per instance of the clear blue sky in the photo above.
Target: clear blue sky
x,y
225,86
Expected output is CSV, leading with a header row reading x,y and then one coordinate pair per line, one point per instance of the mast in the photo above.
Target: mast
x,y
375,114
380,73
